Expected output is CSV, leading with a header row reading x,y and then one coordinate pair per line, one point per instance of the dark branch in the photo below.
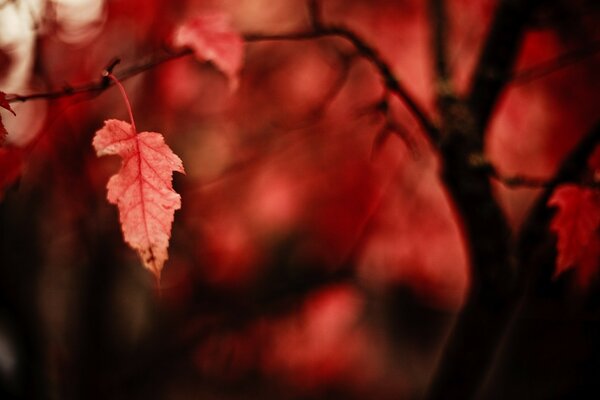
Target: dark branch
x,y
443,80
369,53
314,10
565,60
101,84
364,50
494,293
520,181
390,127
495,64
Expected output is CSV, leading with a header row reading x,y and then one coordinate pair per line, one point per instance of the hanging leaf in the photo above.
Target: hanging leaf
x,y
142,189
4,104
577,224
212,38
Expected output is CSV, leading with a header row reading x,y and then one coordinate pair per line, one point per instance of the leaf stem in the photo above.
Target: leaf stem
x,y
125,97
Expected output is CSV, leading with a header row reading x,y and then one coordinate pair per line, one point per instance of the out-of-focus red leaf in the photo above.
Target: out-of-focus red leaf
x,y
212,38
10,166
142,189
577,224
4,104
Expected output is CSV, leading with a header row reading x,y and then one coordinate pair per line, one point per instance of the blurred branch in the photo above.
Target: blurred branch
x,y
443,80
314,10
391,82
390,127
494,293
365,50
369,53
564,60
498,267
494,68
520,181
527,182
523,181
102,84
512,181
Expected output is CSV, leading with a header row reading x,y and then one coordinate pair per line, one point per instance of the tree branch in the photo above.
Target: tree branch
x,y
390,81
443,82
101,84
500,50
390,127
365,51
494,292
314,10
564,60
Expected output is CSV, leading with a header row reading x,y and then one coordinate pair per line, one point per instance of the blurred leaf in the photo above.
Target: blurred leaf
x,y
212,38
4,104
576,223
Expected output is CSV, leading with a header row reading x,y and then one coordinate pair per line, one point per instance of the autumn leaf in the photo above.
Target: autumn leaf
x,y
577,225
212,38
4,104
142,189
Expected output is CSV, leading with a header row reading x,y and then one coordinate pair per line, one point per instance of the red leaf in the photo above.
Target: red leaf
x,y
212,38
4,104
142,189
577,224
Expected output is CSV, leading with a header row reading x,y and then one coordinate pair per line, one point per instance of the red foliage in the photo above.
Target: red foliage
x,y
4,104
281,183
142,189
577,224
212,38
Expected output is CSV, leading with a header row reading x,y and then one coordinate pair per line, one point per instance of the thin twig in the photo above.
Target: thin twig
x,y
562,61
367,52
390,127
517,181
520,181
101,84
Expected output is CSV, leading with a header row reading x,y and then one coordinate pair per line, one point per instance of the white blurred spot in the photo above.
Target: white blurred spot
x,y
80,20
18,22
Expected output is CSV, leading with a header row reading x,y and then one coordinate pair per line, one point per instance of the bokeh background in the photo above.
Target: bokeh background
x,y
314,257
